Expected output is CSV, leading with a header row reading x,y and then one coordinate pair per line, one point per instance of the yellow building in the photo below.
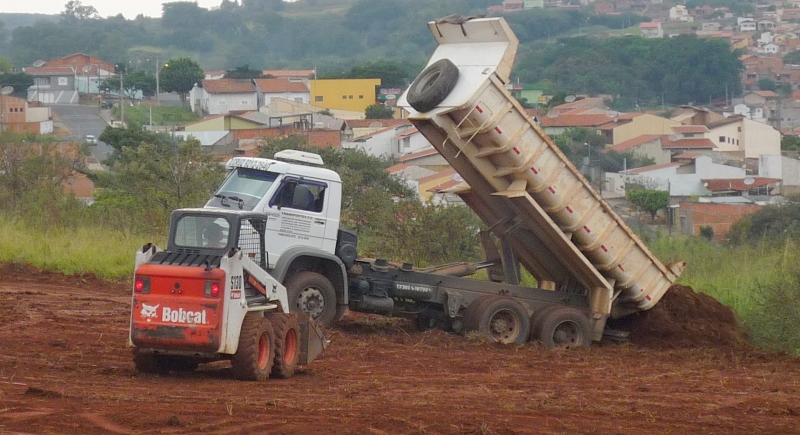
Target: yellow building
x,y
344,94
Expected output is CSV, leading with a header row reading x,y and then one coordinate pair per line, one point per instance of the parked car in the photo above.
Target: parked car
x,y
106,104
91,140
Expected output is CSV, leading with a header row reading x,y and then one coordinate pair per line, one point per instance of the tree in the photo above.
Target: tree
x,y
74,10
151,180
766,84
792,57
379,111
243,72
650,201
790,143
180,75
131,83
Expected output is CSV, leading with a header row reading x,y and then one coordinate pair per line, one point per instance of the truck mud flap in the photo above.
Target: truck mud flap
x,y
313,340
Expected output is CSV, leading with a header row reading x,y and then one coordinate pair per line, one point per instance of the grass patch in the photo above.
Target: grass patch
x,y
104,252
137,116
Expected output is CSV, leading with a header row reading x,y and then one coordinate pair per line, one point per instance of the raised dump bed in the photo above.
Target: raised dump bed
x,y
519,182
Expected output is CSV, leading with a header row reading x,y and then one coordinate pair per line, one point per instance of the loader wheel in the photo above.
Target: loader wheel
x,y
432,85
499,318
312,293
287,344
253,359
565,327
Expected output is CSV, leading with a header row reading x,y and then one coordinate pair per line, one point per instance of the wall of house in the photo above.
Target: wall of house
x,y
297,97
644,124
691,217
344,94
412,143
224,103
707,169
727,137
12,109
654,151
37,114
213,124
760,139
379,144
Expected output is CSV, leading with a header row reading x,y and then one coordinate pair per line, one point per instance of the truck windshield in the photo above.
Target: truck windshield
x,y
243,189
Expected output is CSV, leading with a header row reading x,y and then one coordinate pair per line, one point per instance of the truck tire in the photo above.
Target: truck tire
x,y
537,319
312,293
287,344
499,318
254,357
432,85
341,310
565,327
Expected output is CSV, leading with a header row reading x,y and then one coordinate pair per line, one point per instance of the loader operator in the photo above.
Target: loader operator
x,y
213,237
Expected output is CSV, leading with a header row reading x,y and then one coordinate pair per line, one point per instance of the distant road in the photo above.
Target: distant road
x,y
83,120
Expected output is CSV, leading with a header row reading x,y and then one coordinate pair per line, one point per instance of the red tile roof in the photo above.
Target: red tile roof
x,y
687,156
737,184
417,155
228,86
397,168
766,94
407,132
279,85
367,123
632,143
690,129
701,143
575,121
445,173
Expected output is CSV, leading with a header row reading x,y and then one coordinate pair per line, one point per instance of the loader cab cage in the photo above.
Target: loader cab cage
x,y
204,232
243,189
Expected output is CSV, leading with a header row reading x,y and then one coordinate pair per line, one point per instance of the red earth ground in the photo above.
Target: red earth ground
x,y
65,369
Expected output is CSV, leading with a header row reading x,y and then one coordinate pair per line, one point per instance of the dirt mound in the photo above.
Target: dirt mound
x,y
683,319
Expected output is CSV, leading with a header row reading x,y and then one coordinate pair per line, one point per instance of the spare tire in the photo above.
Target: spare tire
x,y
432,85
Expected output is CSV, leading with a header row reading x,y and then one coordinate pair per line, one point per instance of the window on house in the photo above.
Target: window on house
x,y
722,139
62,81
244,102
318,98
360,97
740,129
298,100
737,142
350,97
41,81
344,97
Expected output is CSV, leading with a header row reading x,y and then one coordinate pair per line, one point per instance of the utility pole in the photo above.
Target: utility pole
x,y
121,99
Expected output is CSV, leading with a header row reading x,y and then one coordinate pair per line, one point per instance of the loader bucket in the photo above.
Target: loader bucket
x,y
313,341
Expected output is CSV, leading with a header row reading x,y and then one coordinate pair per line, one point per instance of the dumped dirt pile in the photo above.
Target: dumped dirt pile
x,y
682,319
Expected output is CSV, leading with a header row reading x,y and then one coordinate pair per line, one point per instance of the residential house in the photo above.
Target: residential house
x,y
580,103
389,141
428,158
683,178
60,81
765,101
646,145
651,29
410,174
691,115
710,26
748,186
345,94
214,74
765,24
214,97
680,13
17,115
357,128
747,24
754,113
744,138
267,89
764,39
630,125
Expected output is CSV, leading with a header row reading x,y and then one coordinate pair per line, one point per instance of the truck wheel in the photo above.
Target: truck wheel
x,y
312,293
538,318
432,85
499,318
150,363
253,359
341,310
287,344
565,327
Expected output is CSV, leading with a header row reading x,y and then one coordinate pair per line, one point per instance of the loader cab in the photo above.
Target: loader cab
x,y
301,202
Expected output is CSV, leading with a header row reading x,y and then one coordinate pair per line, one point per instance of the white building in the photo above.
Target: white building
x,y
214,97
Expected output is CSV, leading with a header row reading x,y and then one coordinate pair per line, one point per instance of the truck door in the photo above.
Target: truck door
x,y
296,216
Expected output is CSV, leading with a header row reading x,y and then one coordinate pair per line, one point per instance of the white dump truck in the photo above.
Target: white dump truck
x,y
540,212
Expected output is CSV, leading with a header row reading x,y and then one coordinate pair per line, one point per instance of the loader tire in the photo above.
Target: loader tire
x,y
565,328
312,293
432,85
287,344
254,358
499,319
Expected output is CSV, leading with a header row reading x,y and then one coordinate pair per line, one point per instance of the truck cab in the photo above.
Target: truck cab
x,y
302,202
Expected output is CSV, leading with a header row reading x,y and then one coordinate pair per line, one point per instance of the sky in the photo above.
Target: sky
x,y
106,8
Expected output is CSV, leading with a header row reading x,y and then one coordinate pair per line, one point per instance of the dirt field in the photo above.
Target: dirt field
x,y
65,369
